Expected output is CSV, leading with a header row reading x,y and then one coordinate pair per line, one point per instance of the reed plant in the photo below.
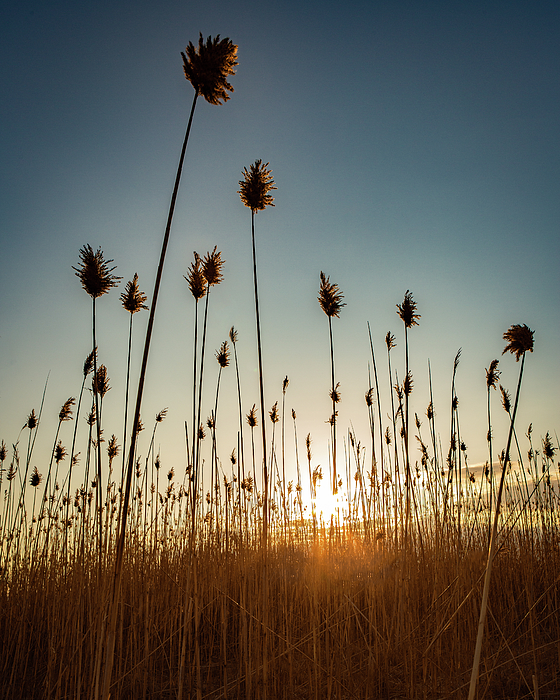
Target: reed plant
x,y
255,194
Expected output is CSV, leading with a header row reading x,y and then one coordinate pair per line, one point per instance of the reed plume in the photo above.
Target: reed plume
x,y
208,67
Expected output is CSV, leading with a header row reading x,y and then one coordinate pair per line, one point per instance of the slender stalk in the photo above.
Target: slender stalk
x,y
261,387
130,465
492,546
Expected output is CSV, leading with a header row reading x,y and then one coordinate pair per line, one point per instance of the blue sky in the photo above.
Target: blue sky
x,y
414,146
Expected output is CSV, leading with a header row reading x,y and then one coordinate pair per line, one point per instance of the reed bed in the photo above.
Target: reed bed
x,y
381,599
228,578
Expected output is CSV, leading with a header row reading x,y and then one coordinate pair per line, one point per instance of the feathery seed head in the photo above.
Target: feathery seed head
x,y
506,399
112,448
519,340
492,374
88,363
407,310
430,410
208,68
369,397
285,384
91,416
330,297
139,426
94,272
66,410
32,421
201,432
59,452
252,417
256,184
222,355
335,393
195,278
293,414
36,478
408,384
3,451
273,413
390,341
132,298
233,335
161,415
100,382
548,448
212,267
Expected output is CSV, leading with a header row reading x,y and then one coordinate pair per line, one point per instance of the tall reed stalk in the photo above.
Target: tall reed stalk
x,y
519,342
207,70
330,300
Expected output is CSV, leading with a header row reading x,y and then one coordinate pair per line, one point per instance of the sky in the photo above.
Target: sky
x,y
414,146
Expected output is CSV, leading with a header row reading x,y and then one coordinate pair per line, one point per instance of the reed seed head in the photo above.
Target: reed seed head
x,y
195,278
548,448
430,410
330,297
255,187
408,384
212,267
390,341
100,382
369,397
506,399
233,335
161,415
222,355
407,310
273,413
59,452
139,426
208,67
492,374
66,410
252,417
113,448
35,478
335,393
132,298
91,416
285,384
3,451
32,421
88,362
94,272
519,340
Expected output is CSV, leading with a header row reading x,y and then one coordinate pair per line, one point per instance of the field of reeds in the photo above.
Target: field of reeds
x,y
425,578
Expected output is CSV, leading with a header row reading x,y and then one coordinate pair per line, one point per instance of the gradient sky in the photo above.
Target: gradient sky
x,y
415,145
